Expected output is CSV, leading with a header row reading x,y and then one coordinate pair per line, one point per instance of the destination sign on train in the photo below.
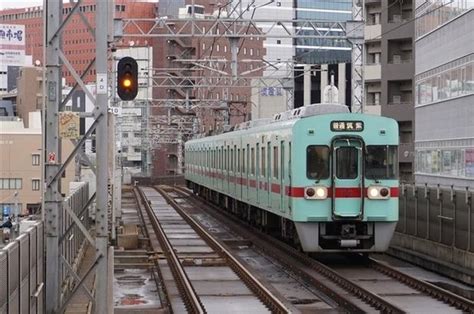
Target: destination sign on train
x,y
347,126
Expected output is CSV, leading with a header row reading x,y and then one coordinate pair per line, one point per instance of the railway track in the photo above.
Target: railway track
x,y
371,291
208,277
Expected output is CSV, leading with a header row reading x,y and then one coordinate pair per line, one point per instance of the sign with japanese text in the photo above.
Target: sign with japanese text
x,y
12,44
271,91
69,123
347,126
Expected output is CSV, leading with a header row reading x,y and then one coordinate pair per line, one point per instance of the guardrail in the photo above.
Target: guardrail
x,y
22,269
22,273
443,215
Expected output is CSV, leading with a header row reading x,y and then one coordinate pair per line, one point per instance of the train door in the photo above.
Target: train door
x,y
245,171
288,183
257,173
282,176
347,187
276,178
269,174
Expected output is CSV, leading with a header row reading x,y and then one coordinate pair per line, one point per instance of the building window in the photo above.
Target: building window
x,y
10,184
35,159
35,184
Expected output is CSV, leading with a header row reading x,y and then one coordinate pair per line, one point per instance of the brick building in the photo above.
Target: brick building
x,y
79,43
215,103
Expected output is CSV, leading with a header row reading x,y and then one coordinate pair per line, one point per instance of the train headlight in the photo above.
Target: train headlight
x,y
378,192
316,192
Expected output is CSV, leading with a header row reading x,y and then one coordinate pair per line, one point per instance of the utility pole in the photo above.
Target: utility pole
x,y
355,34
100,113
52,196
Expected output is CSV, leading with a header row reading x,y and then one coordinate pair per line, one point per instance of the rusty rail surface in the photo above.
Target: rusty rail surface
x,y
293,259
191,299
265,295
436,292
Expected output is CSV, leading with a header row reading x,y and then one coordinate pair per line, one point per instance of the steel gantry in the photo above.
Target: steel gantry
x,y
54,165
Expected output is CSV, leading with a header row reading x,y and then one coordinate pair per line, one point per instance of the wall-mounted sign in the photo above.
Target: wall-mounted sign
x,y
69,123
271,91
12,44
347,126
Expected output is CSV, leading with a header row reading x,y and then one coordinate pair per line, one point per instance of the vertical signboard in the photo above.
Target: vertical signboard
x,y
469,162
12,44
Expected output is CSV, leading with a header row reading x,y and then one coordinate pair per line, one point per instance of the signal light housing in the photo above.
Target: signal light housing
x,y
127,78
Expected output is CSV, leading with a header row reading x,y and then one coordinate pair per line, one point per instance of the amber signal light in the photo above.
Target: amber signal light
x,y
127,78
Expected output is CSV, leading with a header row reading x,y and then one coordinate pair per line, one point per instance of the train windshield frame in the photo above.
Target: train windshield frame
x,y
381,162
317,162
347,162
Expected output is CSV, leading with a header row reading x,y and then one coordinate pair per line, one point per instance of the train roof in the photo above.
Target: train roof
x,y
282,120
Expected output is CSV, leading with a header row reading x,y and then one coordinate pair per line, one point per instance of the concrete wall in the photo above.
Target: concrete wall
x,y
438,223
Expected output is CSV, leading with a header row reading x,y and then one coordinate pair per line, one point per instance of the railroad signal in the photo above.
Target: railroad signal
x,y
127,78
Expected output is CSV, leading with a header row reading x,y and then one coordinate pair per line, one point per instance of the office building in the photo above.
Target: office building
x,y
444,109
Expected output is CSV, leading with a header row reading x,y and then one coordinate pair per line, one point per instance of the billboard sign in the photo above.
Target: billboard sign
x,y
12,44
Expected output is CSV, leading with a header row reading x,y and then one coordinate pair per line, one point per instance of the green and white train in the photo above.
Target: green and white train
x,y
318,175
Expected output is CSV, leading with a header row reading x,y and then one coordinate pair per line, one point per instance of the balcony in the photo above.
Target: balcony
x,y
403,111
373,109
373,72
373,32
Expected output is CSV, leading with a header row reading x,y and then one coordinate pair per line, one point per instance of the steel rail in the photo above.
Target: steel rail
x,y
436,292
270,246
267,297
157,275
192,301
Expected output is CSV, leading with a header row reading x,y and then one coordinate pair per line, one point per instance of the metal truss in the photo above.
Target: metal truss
x,y
197,81
355,34
231,27
53,208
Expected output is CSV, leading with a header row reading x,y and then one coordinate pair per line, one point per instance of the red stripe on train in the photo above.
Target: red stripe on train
x,y
340,192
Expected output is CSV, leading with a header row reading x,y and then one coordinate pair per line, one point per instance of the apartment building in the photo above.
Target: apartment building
x,y
389,71
21,164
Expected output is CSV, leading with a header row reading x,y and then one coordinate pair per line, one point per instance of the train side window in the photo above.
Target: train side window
x,y
238,160
275,162
235,159
243,160
252,159
262,172
282,159
269,158
257,159
231,159
317,162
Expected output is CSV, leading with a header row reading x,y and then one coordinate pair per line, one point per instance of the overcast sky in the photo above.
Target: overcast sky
x,y
5,4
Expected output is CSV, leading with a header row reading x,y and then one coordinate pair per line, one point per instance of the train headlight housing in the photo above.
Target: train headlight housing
x,y
316,192
376,192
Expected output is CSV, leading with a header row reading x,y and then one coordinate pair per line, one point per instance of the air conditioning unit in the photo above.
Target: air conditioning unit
x,y
396,99
397,59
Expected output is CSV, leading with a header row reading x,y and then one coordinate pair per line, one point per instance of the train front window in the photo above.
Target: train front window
x,y
347,162
317,162
381,162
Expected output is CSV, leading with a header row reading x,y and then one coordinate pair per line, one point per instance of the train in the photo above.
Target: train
x,y
319,176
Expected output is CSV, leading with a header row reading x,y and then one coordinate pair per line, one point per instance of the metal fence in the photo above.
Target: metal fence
x,y
71,239
443,215
22,273
22,268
